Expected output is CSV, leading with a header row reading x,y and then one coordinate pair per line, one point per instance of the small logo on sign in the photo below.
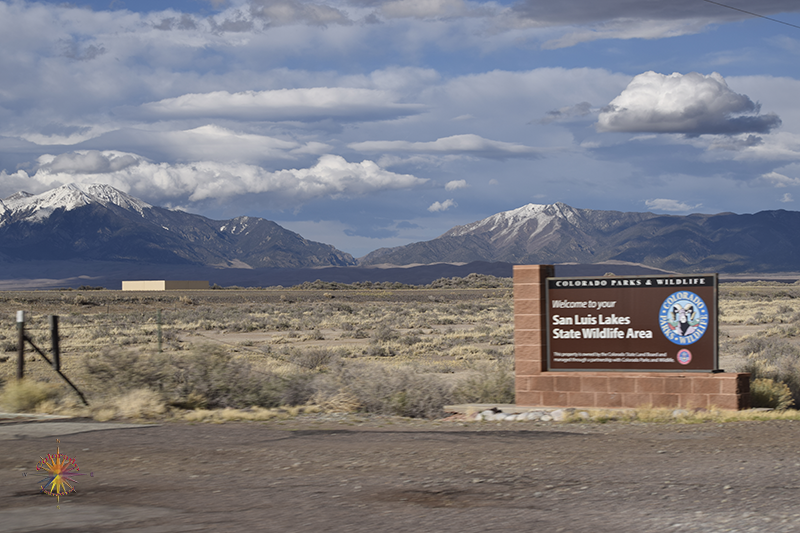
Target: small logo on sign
x,y
683,317
684,357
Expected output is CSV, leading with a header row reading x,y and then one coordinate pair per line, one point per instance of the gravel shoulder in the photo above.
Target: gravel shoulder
x,y
350,473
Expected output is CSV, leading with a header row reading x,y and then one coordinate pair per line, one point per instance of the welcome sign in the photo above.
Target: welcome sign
x,y
636,323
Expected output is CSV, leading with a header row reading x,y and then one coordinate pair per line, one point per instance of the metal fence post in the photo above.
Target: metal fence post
x,y
20,344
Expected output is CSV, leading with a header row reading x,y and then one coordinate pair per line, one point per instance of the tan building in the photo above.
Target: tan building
x,y
163,285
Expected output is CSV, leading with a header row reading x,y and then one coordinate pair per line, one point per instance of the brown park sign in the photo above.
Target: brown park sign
x,y
636,323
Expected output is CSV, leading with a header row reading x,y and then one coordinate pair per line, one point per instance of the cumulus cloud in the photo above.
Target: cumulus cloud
x,y
777,146
318,103
332,176
468,144
664,204
786,198
87,162
442,206
210,142
779,180
692,104
456,184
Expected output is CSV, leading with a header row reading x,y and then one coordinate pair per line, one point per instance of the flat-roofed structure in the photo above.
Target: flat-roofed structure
x,y
164,285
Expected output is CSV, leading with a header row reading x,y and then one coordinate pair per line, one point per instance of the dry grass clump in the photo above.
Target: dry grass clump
x,y
256,414
141,403
666,415
22,396
341,402
769,393
775,359
206,377
135,404
489,383
372,388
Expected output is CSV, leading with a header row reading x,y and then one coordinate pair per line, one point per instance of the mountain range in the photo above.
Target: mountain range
x,y
768,241
96,230
101,223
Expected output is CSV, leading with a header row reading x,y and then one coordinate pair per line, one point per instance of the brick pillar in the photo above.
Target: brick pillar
x,y
529,330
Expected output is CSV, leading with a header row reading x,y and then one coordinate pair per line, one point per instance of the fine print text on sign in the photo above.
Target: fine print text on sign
x,y
643,323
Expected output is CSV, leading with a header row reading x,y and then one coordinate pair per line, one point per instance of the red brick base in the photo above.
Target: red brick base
x,y
627,389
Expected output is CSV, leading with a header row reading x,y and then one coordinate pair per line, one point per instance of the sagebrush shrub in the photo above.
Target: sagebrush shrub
x,y
491,383
313,358
769,393
212,378
384,333
206,377
776,359
390,391
297,389
115,370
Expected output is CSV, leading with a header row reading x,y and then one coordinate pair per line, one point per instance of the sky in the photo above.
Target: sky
x,y
376,123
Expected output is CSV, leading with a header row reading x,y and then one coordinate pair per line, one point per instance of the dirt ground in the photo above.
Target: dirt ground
x,y
345,474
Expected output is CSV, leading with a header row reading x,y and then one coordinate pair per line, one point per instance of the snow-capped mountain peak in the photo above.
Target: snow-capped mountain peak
x,y
511,223
18,195
109,195
37,207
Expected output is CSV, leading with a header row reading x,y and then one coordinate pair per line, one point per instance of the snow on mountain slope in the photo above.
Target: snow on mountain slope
x,y
511,224
38,207
237,226
109,195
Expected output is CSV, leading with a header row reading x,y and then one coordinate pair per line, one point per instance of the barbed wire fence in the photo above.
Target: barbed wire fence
x,y
83,334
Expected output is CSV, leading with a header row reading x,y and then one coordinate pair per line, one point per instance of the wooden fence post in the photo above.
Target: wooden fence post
x,y
55,363
55,342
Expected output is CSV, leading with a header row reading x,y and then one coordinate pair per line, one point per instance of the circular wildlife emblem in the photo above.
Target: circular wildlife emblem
x,y
684,357
683,318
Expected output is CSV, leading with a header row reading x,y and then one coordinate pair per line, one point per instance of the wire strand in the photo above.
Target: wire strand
x,y
753,14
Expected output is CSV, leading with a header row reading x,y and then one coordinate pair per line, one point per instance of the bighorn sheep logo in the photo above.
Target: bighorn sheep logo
x,y
683,317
